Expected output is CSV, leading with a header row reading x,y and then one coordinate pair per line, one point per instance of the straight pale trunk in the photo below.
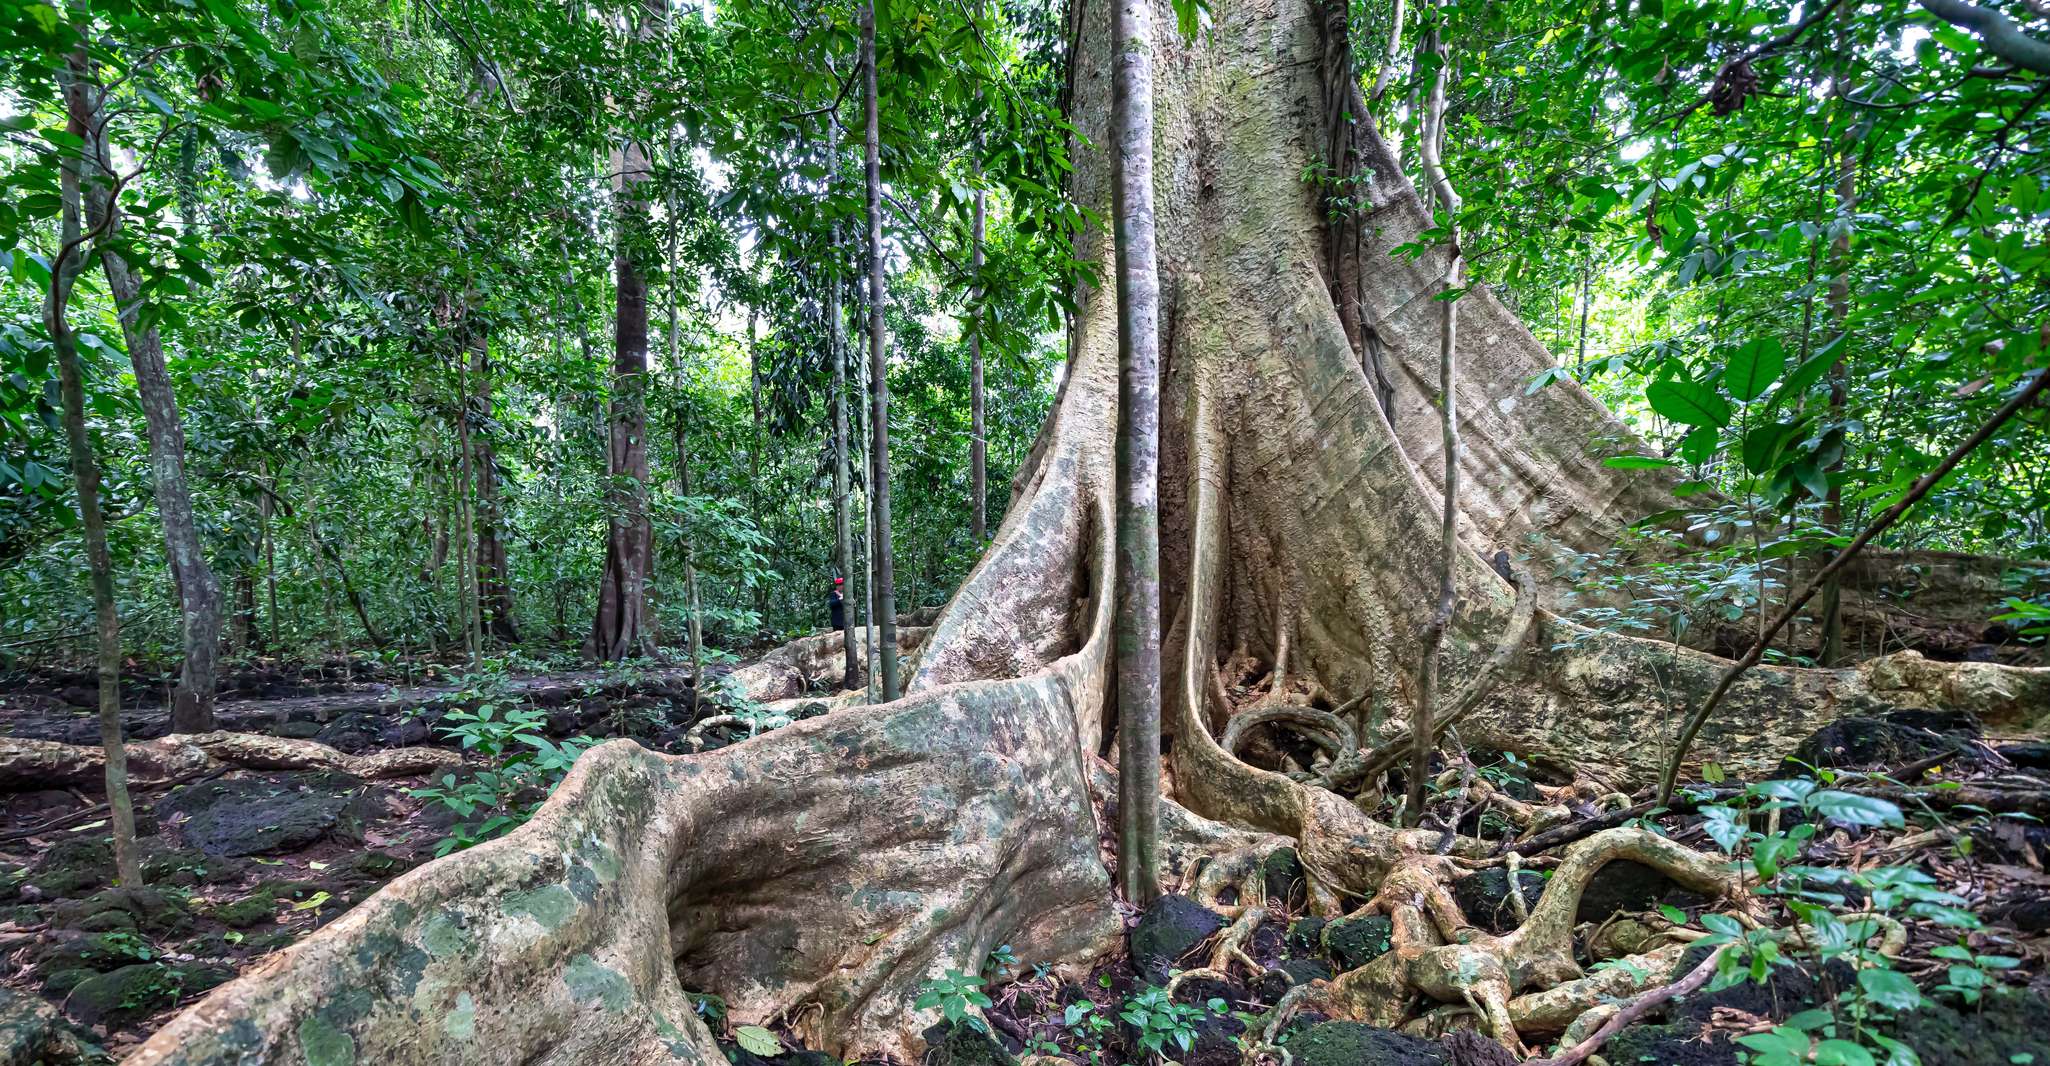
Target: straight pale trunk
x,y
878,378
978,444
843,526
1138,455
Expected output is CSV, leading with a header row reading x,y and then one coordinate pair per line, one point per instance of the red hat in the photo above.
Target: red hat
x,y
839,581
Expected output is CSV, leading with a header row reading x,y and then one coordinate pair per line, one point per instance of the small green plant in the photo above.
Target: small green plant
x,y
1970,974
1001,963
953,995
521,757
1160,1021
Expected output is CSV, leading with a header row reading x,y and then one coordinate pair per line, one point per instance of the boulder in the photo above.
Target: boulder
x,y
1354,1044
265,813
1170,929
1354,942
1484,897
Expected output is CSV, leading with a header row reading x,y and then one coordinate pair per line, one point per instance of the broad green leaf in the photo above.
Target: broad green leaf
x,y
1753,367
756,1040
1688,403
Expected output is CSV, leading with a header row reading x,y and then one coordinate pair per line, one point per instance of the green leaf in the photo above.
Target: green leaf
x,y
756,1040
1890,989
1853,809
1688,403
1636,462
1753,367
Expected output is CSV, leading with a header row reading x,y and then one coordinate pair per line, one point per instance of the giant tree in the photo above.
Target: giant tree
x,y
1294,511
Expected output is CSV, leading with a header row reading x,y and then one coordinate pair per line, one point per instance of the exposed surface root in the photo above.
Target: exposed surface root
x,y
34,764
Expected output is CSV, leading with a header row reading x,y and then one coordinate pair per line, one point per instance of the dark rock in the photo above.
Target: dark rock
x,y
107,921
32,1034
1353,942
268,812
961,1044
257,908
1465,1047
1353,1044
302,730
1891,740
2005,1026
2031,915
1273,985
354,733
2029,755
1287,887
1484,897
378,865
1170,929
1620,886
1306,937
1216,1043
60,982
118,997
72,867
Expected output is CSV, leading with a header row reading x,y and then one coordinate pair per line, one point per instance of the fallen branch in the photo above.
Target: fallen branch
x,y
1800,599
1638,1008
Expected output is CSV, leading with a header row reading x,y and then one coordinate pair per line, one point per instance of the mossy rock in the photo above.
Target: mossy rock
x,y
379,865
60,982
1354,1044
1305,937
257,908
1888,740
108,921
119,997
2006,1026
306,730
1283,876
1483,897
72,867
1273,984
32,1034
1351,943
1170,929
961,1044
1626,885
267,813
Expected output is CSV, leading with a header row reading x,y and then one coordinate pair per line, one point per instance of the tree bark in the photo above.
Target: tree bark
x,y
978,443
621,629
85,476
494,574
883,559
836,339
1831,608
1138,461
199,596
1430,148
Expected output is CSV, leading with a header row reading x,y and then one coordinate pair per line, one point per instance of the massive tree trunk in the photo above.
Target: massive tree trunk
x,y
817,874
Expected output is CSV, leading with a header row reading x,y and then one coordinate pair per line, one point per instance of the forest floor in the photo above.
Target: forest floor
x,y
242,863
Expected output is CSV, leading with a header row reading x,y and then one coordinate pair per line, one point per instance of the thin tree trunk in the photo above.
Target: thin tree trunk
x,y
878,376
621,627
1586,303
469,611
1138,454
1831,607
494,573
1431,149
843,526
978,445
85,475
680,443
199,597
